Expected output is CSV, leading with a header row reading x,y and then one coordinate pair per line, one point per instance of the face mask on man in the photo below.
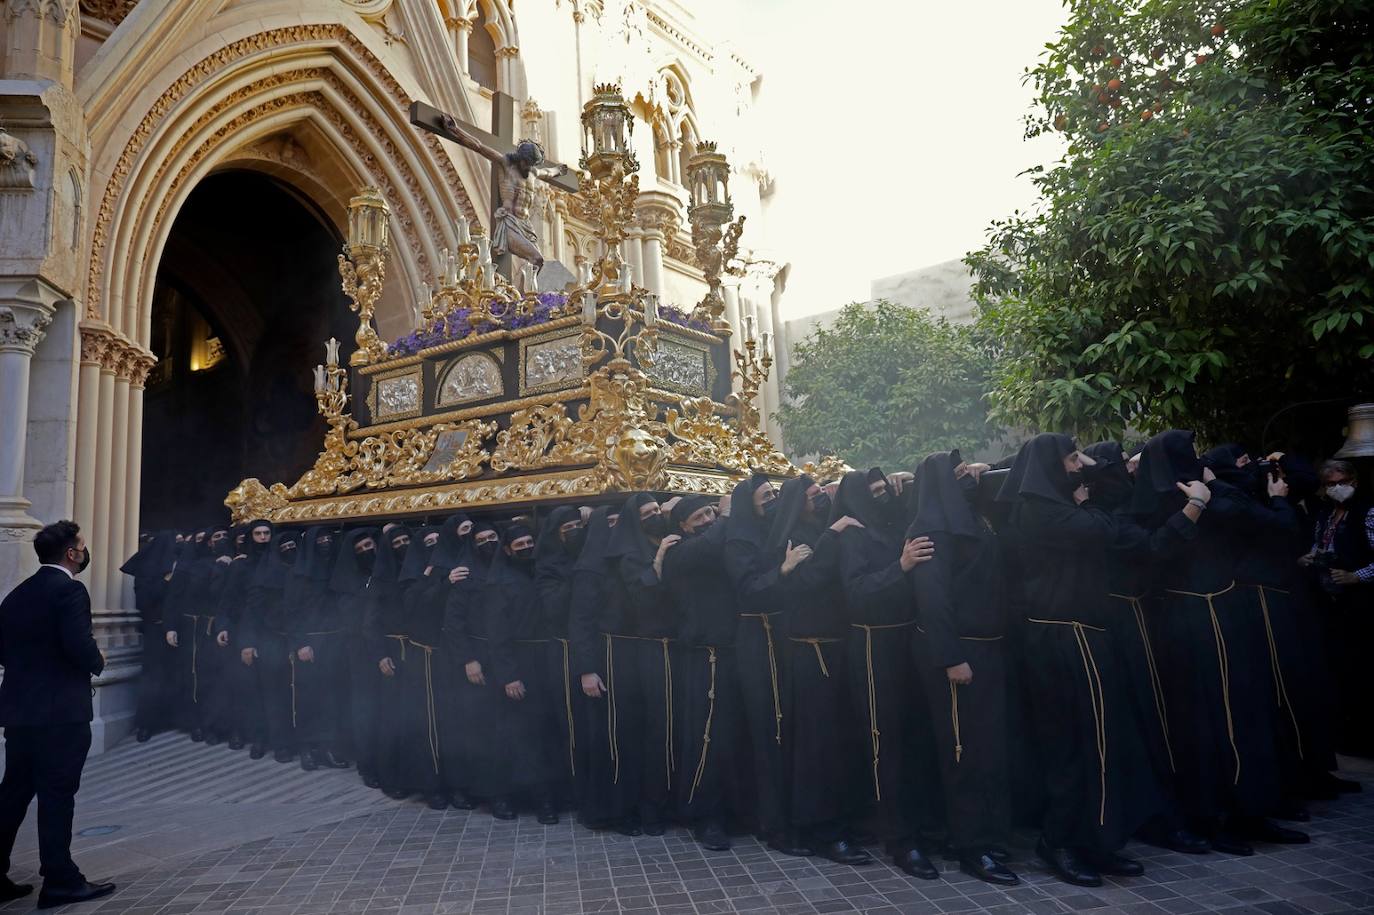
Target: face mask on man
x,y
820,504
366,559
523,557
573,541
487,550
770,507
85,560
1340,492
655,526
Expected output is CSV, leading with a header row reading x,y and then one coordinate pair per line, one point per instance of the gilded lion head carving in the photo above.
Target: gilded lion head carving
x,y
638,458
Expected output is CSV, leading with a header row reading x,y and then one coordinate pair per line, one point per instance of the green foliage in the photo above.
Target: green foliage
x,y
1203,254
887,385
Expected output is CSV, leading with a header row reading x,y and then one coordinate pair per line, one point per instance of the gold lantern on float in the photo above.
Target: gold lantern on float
x,y
606,134
708,179
363,269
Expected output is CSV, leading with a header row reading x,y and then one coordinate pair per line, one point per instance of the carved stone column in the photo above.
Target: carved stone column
x,y
656,219
25,312
730,289
460,29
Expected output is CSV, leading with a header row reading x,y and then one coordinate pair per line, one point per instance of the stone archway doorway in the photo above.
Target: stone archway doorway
x,y
247,291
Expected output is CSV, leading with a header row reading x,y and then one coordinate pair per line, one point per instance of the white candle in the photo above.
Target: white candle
x,y
748,328
589,307
464,232
585,272
650,309
625,280
530,278
483,249
331,352
319,379
766,338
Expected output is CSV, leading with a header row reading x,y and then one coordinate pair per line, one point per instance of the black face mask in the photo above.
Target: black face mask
x,y
522,558
289,556
820,504
968,486
770,507
700,529
487,551
366,560
655,526
573,541
324,548
85,560
1075,480
399,551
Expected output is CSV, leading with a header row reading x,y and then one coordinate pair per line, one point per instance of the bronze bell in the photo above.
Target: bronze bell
x,y
1359,439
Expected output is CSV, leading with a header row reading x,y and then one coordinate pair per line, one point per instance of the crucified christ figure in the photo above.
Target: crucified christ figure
x,y
512,229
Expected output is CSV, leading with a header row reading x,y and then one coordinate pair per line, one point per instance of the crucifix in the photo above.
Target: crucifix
x,y
514,167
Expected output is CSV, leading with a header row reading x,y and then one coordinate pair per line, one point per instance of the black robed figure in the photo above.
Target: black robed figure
x,y
346,608
1099,784
960,658
370,686
266,645
902,787
319,654
402,733
555,553
468,710
710,740
243,707
189,619
151,567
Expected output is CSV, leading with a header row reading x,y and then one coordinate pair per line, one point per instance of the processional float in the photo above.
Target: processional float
x,y
533,398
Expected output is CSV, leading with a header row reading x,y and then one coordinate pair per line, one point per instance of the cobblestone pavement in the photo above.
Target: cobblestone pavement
x,y
201,829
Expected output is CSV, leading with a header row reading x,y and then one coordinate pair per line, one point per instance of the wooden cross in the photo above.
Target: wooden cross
x,y
502,139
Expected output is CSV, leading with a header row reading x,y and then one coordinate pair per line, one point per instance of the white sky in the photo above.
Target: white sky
x,y
929,92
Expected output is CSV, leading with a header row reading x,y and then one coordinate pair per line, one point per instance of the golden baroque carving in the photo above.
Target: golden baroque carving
x,y
827,470
213,66
401,458
540,436
250,500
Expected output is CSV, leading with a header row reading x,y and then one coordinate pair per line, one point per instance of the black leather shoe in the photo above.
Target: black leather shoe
x,y
656,828
547,814
790,844
913,862
283,756
1228,844
502,810
1067,866
988,869
308,763
369,778
10,891
51,898
1262,830
212,739
460,801
1116,865
328,759
235,742
841,852
998,853
397,794
257,751
1185,842
712,837
197,735
436,802
143,735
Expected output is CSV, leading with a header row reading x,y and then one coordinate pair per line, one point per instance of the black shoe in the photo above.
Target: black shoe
x,y
997,853
1067,866
369,778
436,802
841,852
257,751
547,814
143,735
502,810
1229,844
283,756
712,837
628,828
197,735
656,828
235,743
308,763
913,862
790,844
1184,842
1262,830
460,801
66,895
10,891
1115,865
327,759
988,869
213,740
397,794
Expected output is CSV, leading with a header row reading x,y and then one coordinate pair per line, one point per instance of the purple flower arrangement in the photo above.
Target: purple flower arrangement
x,y
457,326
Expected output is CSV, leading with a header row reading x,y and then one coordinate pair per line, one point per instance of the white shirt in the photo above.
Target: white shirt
x,y
65,571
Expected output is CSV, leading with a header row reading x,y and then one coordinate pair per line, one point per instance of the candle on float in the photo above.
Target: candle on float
x,y
589,307
483,249
749,328
650,309
625,280
766,339
464,230
331,352
529,278
319,379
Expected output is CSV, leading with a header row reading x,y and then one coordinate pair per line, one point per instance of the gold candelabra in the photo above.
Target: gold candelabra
x,y
468,279
363,269
714,236
752,366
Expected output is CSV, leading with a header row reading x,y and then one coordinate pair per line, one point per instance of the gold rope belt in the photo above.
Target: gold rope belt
x,y
970,638
772,672
954,692
401,640
667,701
195,619
1098,700
1223,665
430,709
1156,685
1280,688
291,656
874,735
706,735
816,644
567,707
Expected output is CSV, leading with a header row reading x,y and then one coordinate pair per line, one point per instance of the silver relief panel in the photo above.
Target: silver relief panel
x,y
680,367
476,376
397,397
548,365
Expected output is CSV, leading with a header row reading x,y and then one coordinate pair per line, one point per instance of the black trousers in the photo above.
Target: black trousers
x,y
45,762
274,690
154,691
321,692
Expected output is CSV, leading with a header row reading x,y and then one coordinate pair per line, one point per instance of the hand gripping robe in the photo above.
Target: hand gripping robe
x,y
902,787
468,712
760,657
266,621
961,608
1099,784
824,740
525,748
150,568
710,720
554,558
1212,646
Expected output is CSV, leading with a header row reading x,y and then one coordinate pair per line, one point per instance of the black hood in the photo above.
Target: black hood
x,y
595,551
1110,485
855,500
744,525
941,504
1167,459
272,572
628,538
349,575
1039,470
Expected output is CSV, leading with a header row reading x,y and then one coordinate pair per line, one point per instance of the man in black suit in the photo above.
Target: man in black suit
x,y
49,656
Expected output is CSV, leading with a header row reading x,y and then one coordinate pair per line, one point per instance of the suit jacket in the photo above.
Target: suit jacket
x,y
48,651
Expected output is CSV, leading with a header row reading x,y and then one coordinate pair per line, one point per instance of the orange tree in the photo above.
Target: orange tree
x,y
1202,255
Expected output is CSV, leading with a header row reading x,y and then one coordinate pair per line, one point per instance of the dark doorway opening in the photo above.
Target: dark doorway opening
x,y
247,292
